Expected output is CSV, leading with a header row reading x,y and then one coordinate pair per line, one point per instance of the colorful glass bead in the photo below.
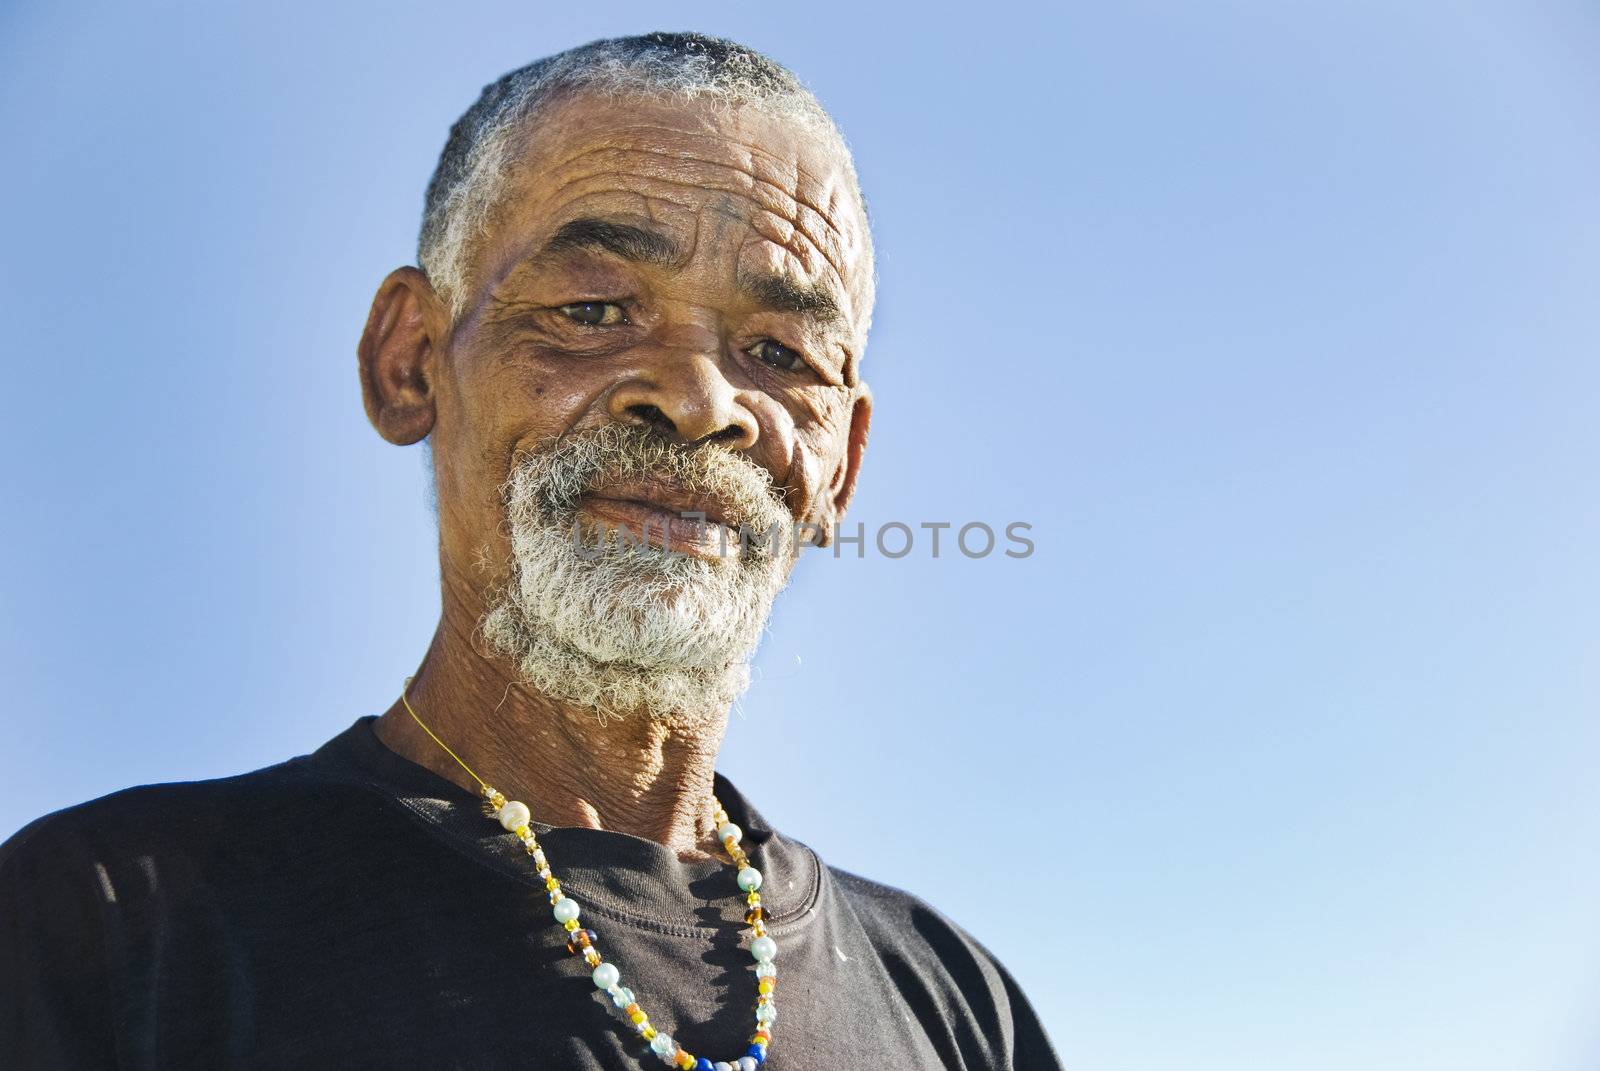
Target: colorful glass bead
x,y
764,949
580,940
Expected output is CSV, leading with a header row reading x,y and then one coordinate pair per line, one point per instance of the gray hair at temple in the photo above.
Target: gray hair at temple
x,y
472,170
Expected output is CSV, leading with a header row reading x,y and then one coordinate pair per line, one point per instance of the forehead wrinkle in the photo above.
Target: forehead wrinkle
x,y
784,164
795,190
794,196
784,235
784,229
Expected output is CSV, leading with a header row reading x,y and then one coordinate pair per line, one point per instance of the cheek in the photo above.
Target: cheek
x,y
812,436
495,408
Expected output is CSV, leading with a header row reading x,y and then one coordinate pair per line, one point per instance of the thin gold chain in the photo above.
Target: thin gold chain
x,y
481,782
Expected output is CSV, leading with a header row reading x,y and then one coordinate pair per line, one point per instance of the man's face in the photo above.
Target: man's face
x,y
700,277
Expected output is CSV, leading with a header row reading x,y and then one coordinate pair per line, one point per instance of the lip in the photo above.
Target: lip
x,y
657,514
664,498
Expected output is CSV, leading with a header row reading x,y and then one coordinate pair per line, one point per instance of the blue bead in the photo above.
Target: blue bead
x,y
758,1053
702,1064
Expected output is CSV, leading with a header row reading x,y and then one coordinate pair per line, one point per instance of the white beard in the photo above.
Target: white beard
x,y
634,629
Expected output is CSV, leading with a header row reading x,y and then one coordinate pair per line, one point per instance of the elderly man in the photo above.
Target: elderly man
x,y
634,347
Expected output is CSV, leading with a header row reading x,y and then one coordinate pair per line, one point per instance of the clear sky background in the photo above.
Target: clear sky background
x,y
1277,321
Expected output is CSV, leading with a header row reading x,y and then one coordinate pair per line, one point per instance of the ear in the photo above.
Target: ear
x,y
842,487
399,353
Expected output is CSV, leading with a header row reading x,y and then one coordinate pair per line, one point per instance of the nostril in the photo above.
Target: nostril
x,y
652,416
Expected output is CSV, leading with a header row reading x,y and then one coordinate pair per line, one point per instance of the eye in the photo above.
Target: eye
x,y
594,313
778,355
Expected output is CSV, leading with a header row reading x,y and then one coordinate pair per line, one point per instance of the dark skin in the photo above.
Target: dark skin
x,y
654,263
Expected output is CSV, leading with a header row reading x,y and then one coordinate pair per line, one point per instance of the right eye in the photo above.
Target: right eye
x,y
594,313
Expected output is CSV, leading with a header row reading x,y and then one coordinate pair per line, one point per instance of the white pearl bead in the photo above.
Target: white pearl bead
x,y
747,1063
749,879
766,1012
764,949
566,909
605,976
663,1045
728,829
721,1065
514,815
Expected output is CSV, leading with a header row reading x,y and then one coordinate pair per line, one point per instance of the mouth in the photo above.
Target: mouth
x,y
664,517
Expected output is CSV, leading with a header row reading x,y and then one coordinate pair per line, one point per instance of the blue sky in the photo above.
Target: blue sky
x,y
1277,322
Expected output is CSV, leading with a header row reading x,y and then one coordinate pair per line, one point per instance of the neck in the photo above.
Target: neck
x,y
648,777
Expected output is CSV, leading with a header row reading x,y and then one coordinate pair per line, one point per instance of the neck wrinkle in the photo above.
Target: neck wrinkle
x,y
648,777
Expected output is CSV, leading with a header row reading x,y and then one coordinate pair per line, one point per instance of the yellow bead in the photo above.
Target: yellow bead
x,y
685,1061
552,884
635,1015
764,986
570,924
648,1033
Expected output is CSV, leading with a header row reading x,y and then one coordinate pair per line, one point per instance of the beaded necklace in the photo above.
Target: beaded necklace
x,y
515,816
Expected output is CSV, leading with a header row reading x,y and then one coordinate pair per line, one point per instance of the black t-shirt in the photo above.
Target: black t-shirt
x,y
351,909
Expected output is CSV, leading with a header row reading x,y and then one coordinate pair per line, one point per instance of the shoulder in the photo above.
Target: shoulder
x,y
144,825
901,923
954,983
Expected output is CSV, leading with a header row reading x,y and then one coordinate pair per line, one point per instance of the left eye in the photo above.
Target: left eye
x,y
594,313
778,355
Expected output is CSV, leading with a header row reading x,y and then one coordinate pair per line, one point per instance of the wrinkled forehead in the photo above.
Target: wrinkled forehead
x,y
757,192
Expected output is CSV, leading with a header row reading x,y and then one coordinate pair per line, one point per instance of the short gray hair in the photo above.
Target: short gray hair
x,y
469,180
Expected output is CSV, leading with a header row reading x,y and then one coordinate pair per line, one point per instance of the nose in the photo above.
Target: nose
x,y
686,396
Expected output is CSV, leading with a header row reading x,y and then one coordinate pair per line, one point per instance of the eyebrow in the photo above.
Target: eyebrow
x,y
625,240
784,293
774,291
